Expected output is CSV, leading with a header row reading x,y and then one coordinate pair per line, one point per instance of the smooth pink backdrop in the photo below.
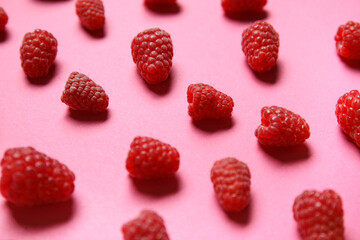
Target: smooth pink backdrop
x,y
308,79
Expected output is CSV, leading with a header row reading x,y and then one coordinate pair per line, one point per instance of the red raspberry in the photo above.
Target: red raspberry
x,y
147,226
37,53
205,102
82,93
237,6
231,180
348,114
32,178
3,19
348,40
150,158
152,51
91,14
281,127
319,215
260,43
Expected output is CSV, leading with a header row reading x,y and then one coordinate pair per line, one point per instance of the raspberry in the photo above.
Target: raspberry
x,y
348,40
281,127
319,215
260,43
91,14
205,102
3,19
150,158
348,114
152,51
82,93
37,53
237,6
32,178
147,226
231,180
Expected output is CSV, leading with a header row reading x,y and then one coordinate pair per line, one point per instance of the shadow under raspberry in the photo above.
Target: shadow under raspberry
x,y
247,16
38,217
291,154
351,63
4,35
164,8
45,79
213,125
97,34
84,116
271,77
244,216
157,187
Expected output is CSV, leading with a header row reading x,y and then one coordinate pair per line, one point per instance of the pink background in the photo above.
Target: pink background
x,y
308,79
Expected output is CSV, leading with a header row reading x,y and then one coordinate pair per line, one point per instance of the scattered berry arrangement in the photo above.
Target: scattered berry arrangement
x,y
29,177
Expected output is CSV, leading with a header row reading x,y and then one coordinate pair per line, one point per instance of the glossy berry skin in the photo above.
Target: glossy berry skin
x,y
260,44
231,181
37,53
238,6
91,14
319,215
281,127
147,226
29,177
152,51
82,93
205,102
150,158
348,40
348,114
3,19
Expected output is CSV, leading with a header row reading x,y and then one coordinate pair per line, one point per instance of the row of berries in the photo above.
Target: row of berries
x,y
29,177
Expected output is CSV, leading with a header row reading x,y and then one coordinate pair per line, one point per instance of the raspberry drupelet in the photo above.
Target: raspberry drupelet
x,y
3,19
149,158
205,102
348,41
319,215
231,181
281,127
29,177
152,51
239,6
91,14
37,53
260,44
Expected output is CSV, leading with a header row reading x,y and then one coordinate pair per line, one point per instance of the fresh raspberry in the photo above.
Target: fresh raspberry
x,y
238,6
231,180
260,43
348,114
281,127
205,102
29,177
150,158
319,215
37,53
91,14
3,19
348,40
152,51
147,226
82,93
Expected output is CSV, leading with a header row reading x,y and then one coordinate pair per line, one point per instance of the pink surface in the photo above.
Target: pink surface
x,y
308,80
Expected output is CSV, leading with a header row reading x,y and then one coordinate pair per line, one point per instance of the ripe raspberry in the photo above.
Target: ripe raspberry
x,y
3,19
260,43
82,93
205,102
348,114
150,158
37,53
237,6
147,226
348,40
319,215
152,51
91,14
32,178
231,180
281,127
